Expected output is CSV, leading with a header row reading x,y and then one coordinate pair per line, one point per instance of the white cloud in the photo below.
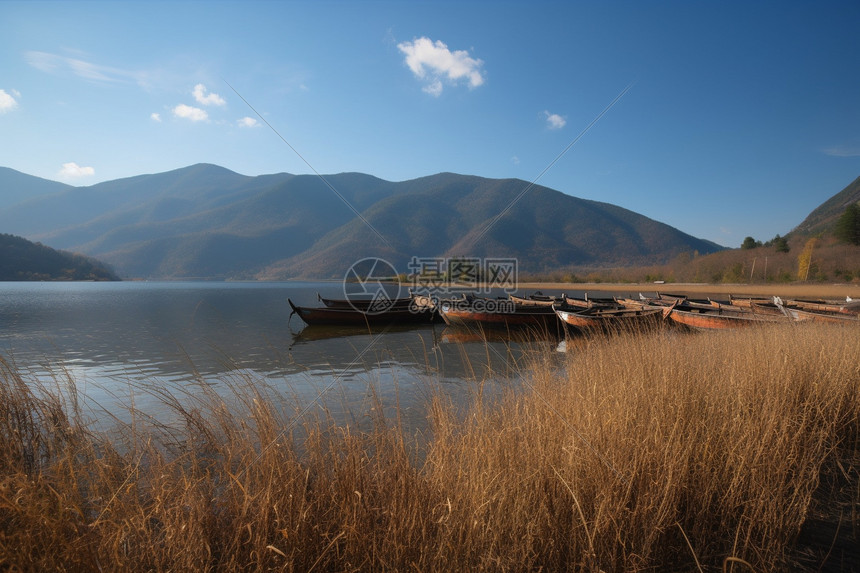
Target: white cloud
x,y
434,88
515,160
838,151
554,121
60,65
248,122
155,117
7,101
206,99
434,62
190,112
73,171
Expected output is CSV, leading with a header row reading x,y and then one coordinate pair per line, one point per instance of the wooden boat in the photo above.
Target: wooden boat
x,y
609,319
502,314
534,300
748,302
538,299
364,303
800,314
704,303
713,318
848,307
754,306
353,317
591,302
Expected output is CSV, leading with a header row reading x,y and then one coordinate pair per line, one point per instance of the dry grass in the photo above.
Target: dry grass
x,y
636,453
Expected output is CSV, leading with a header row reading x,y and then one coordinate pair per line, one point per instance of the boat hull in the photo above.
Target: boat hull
x,y
837,317
719,320
516,317
351,317
610,319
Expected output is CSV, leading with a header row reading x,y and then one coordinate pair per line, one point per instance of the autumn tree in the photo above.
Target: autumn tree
x,y
804,260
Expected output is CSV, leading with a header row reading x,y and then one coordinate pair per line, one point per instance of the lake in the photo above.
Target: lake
x,y
122,343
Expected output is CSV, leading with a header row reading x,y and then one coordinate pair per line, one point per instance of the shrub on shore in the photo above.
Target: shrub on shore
x,y
635,452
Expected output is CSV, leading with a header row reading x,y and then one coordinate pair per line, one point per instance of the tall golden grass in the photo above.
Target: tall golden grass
x,y
636,452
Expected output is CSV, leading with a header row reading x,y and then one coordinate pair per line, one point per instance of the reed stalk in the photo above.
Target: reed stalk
x,y
632,452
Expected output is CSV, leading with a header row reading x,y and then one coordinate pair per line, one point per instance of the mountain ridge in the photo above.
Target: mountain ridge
x,y
207,221
823,218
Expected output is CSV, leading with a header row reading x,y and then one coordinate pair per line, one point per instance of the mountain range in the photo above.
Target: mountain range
x,y
205,221
824,217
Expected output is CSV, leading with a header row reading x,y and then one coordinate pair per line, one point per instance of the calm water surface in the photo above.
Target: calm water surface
x,y
116,342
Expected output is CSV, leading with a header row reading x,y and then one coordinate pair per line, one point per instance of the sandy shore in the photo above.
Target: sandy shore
x,y
828,291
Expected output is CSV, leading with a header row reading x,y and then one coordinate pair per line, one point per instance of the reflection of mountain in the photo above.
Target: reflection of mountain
x,y
207,221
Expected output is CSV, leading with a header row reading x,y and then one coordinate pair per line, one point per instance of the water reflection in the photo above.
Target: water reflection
x,y
116,342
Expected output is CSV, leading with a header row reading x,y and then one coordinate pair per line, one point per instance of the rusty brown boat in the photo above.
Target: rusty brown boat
x,y
609,319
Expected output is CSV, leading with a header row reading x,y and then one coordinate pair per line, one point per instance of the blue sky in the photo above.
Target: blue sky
x,y
738,118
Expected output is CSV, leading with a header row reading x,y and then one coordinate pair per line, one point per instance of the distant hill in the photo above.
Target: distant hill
x,y
829,259
17,187
205,221
22,260
823,218
451,215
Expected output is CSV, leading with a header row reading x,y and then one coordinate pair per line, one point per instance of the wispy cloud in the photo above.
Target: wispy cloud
x,y
8,101
155,117
74,171
434,88
843,151
61,65
434,63
554,121
248,122
190,112
207,99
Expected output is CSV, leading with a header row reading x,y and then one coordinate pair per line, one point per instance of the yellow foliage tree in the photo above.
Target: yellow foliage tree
x,y
804,259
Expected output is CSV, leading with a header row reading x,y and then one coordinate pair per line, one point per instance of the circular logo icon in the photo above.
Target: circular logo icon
x,y
371,285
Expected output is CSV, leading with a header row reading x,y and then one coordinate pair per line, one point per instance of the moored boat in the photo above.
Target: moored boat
x,y
492,313
534,300
591,302
374,304
350,316
717,318
609,319
851,307
747,302
815,314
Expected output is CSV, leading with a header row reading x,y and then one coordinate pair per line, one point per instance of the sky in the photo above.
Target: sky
x,y
722,119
